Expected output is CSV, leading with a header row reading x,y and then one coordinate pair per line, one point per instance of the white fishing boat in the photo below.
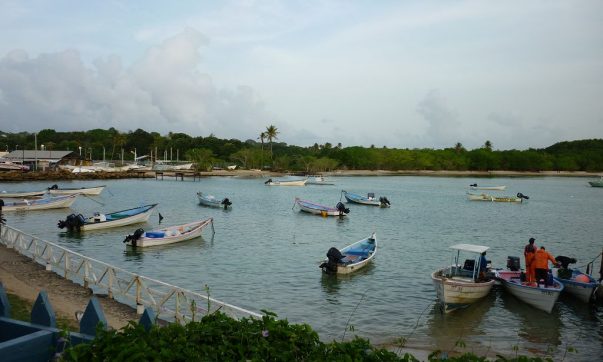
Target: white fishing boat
x,y
318,180
486,197
167,235
491,188
109,220
459,286
212,201
540,296
56,190
351,258
322,210
21,194
370,199
271,182
581,285
40,204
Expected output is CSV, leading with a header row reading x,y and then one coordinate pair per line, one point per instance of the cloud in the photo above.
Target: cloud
x,y
163,91
443,125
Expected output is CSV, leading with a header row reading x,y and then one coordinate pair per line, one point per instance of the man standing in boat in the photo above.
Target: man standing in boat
x,y
541,265
529,252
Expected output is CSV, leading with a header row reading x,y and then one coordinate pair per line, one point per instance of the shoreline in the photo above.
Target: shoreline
x,y
15,176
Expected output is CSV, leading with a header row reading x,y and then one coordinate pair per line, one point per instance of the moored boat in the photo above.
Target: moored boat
x,y
366,200
168,235
271,182
318,180
491,188
102,221
351,258
56,190
40,204
459,286
22,194
581,285
540,296
212,201
317,209
485,197
598,183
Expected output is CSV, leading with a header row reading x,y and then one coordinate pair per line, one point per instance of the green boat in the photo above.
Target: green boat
x,y
598,183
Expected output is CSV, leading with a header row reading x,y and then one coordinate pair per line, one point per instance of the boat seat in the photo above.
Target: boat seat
x,y
362,253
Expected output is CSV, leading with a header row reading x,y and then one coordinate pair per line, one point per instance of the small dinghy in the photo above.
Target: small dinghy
x,y
319,180
40,204
317,209
168,235
540,296
271,182
211,201
56,190
351,258
22,194
109,220
485,197
491,188
368,200
580,285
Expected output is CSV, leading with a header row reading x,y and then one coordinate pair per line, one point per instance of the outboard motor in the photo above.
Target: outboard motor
x,y
384,201
72,222
267,182
53,187
334,256
342,209
513,263
226,202
133,238
522,196
473,185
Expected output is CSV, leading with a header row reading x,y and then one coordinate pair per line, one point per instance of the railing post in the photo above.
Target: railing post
x,y
139,305
49,261
86,272
110,286
67,263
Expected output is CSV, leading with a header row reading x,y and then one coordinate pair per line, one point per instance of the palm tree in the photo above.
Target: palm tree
x,y
488,145
458,147
262,138
271,133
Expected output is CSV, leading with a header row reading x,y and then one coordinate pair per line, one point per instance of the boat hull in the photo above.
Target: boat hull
x,y
129,220
40,204
485,197
540,297
84,191
207,200
172,235
596,183
491,188
287,183
581,290
316,209
367,247
22,194
454,293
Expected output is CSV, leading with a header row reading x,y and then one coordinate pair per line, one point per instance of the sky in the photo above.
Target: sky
x,y
403,74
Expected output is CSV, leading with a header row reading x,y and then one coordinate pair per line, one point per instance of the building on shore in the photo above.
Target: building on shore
x,y
40,159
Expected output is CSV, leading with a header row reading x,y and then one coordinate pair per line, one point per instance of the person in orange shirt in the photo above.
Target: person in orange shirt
x,y
541,264
528,252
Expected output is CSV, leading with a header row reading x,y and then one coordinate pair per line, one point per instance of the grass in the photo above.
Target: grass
x,y
21,310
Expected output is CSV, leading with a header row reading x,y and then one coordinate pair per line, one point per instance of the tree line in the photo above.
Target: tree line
x,y
265,153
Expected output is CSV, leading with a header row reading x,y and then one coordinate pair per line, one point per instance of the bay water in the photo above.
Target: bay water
x,y
265,253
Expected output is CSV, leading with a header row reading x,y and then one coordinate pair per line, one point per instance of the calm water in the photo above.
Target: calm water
x,y
265,255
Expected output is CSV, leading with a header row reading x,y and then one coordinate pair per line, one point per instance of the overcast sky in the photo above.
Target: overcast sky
x,y
396,73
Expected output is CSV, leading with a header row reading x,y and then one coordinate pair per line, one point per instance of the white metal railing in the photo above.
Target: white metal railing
x,y
169,302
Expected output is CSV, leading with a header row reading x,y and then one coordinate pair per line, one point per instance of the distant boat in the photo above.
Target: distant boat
x,y
102,221
598,183
9,166
56,190
366,200
317,209
271,182
318,180
40,204
485,197
539,296
459,285
579,284
494,188
351,258
211,201
22,194
168,235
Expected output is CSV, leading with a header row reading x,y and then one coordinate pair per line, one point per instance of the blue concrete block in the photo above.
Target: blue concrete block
x,y
4,304
147,320
42,312
93,315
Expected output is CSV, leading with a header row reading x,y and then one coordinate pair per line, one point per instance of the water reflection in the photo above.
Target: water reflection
x,y
332,284
535,326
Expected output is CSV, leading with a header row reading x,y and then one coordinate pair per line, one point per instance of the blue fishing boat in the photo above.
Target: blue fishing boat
x,y
108,220
351,258
366,200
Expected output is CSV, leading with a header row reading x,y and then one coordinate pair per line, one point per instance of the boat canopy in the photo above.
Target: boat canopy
x,y
470,248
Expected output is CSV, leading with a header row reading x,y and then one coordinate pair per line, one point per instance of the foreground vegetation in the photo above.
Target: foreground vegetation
x,y
208,152
218,337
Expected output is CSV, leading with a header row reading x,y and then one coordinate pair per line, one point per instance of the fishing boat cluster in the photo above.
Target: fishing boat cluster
x,y
467,280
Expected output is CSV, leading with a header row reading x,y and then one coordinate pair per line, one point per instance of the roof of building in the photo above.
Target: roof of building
x,y
29,155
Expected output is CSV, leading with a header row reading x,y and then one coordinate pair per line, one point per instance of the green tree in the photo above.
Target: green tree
x,y
271,134
202,157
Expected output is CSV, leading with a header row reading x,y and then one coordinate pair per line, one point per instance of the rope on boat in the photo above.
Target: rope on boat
x,y
347,323
89,198
212,226
399,350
